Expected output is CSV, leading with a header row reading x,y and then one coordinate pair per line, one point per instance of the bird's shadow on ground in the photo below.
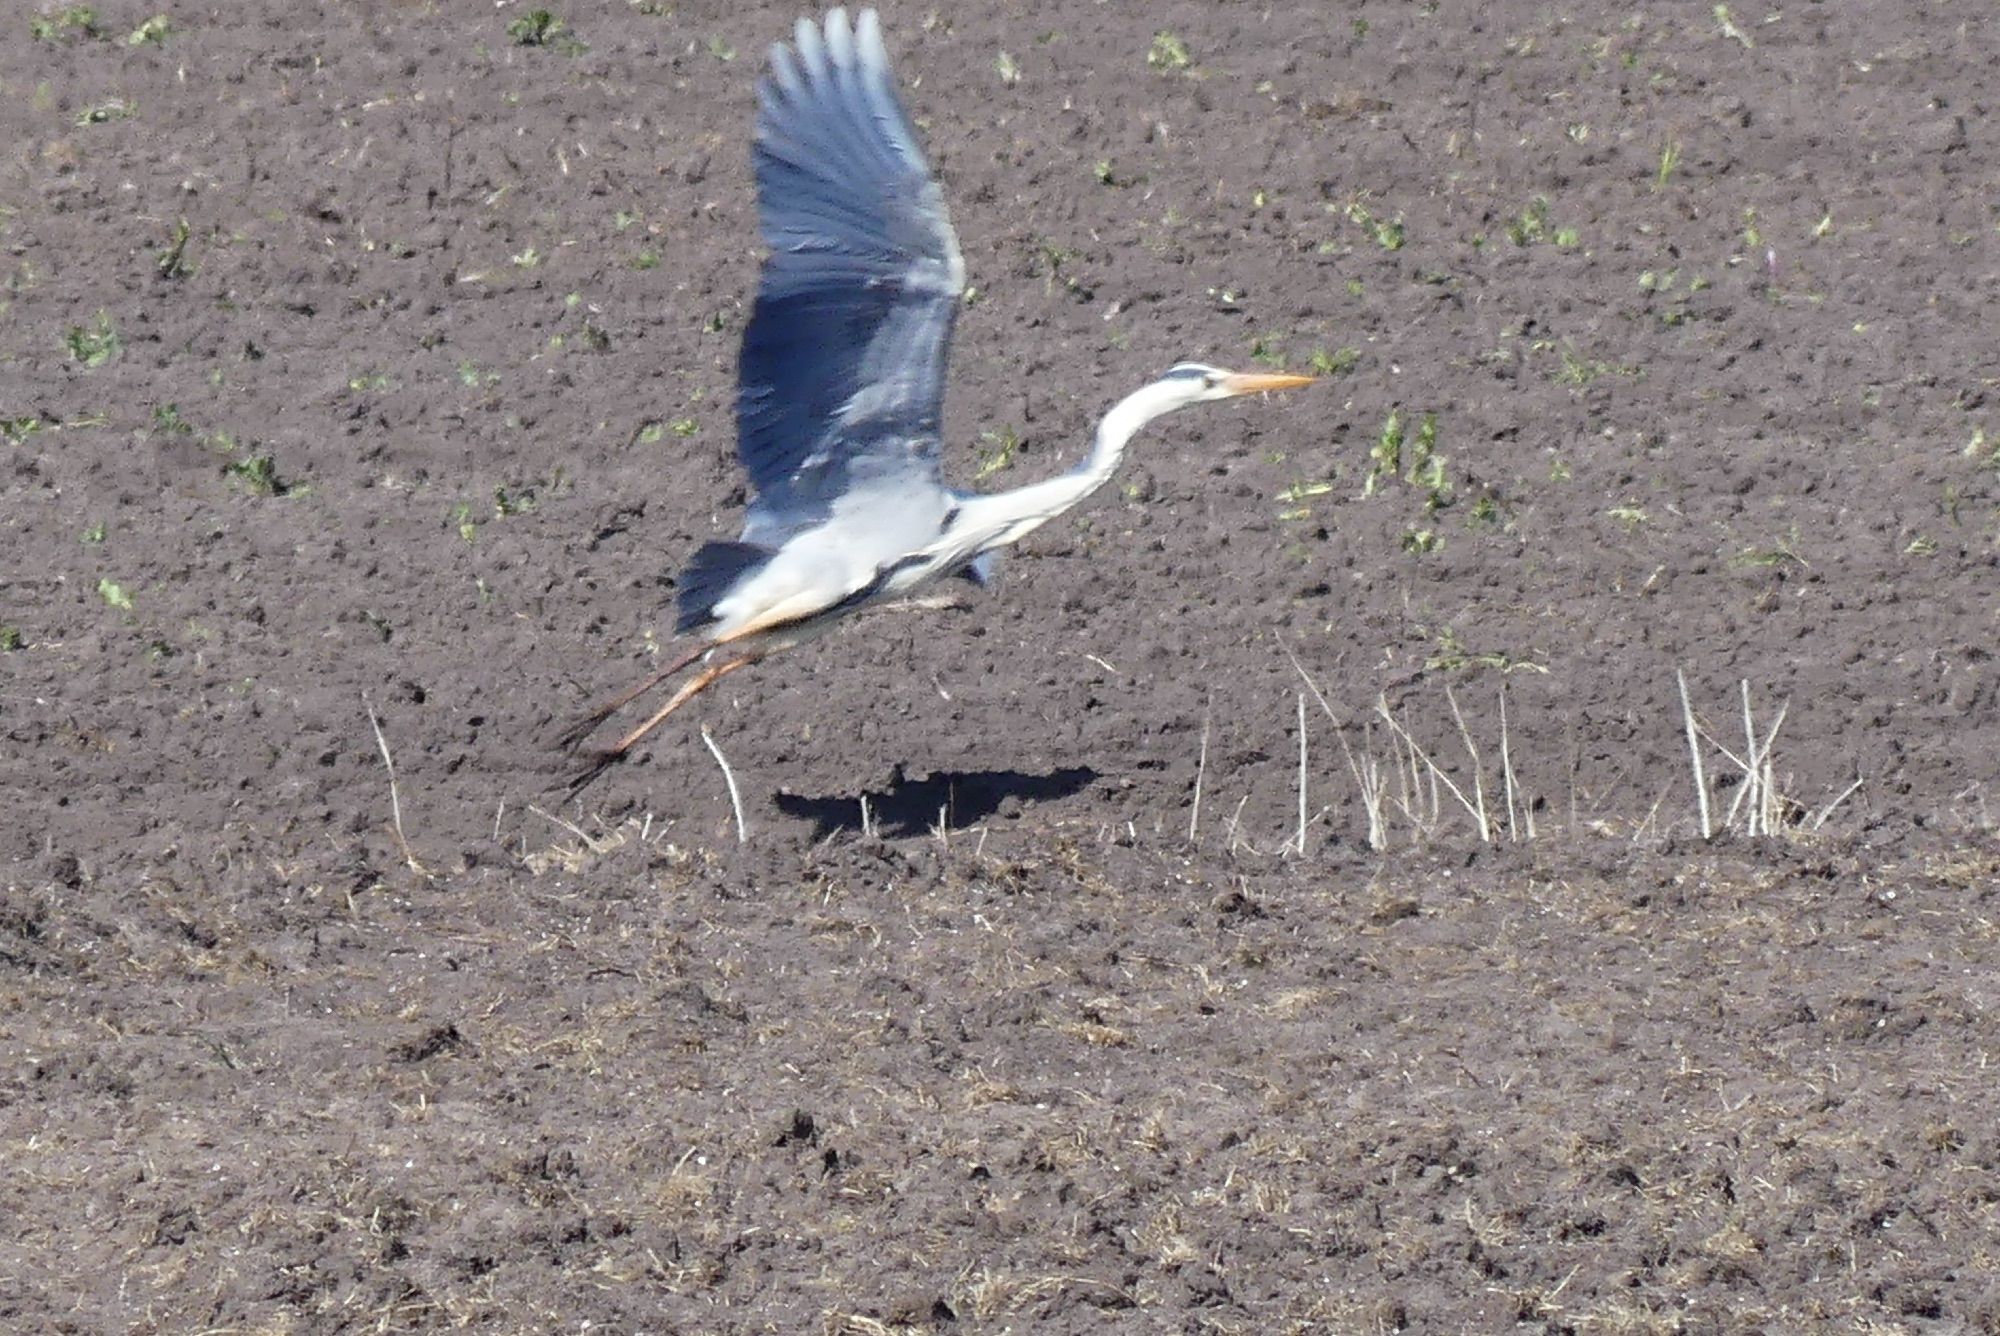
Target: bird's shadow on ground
x,y
914,806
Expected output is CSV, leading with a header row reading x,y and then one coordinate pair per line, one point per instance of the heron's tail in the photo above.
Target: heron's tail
x,y
710,575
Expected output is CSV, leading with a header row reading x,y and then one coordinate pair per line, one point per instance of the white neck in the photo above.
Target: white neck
x,y
1007,517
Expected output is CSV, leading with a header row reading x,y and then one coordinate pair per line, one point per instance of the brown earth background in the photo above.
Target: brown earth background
x,y
366,360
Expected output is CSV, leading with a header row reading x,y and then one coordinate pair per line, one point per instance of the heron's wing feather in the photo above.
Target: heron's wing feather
x,y
842,376
707,579
984,569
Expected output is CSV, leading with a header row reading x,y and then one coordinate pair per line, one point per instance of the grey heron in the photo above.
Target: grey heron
x,y
841,385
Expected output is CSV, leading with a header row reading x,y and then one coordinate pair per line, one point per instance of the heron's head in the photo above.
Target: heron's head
x,y
1193,383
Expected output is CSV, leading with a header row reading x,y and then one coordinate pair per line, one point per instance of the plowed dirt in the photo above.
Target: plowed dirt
x,y
365,365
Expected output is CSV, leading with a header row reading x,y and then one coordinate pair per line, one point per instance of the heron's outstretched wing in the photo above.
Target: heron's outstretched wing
x,y
842,377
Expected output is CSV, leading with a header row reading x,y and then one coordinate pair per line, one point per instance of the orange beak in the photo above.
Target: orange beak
x,y
1250,382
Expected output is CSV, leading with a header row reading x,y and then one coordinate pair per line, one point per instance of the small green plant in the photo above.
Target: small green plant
x,y
684,426
111,109
1008,68
1168,52
173,261
258,473
1579,370
1268,349
515,501
1725,23
1336,363
1531,224
153,32
94,534
1753,237
113,593
1388,232
167,418
720,48
1630,514
1303,491
1420,542
537,27
1053,258
996,451
17,430
1670,161
461,518
1784,550
368,381
1295,496
1386,456
646,259
1422,466
1982,450
69,21
1427,466
1453,655
1677,311
10,639
94,344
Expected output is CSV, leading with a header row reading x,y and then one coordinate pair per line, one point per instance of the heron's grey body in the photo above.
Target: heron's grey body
x,y
841,386
839,403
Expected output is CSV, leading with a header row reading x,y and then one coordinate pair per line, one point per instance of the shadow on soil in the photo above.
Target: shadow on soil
x,y
911,807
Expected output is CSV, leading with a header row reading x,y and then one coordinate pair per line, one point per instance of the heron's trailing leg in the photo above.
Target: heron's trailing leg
x,y
689,690
700,683
582,728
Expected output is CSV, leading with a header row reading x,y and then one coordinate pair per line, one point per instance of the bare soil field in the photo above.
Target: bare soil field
x,y
1503,838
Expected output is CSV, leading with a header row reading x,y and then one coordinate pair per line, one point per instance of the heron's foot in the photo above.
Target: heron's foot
x,y
572,737
599,762
619,750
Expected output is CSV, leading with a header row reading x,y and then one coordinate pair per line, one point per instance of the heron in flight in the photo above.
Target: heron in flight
x,y
841,385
